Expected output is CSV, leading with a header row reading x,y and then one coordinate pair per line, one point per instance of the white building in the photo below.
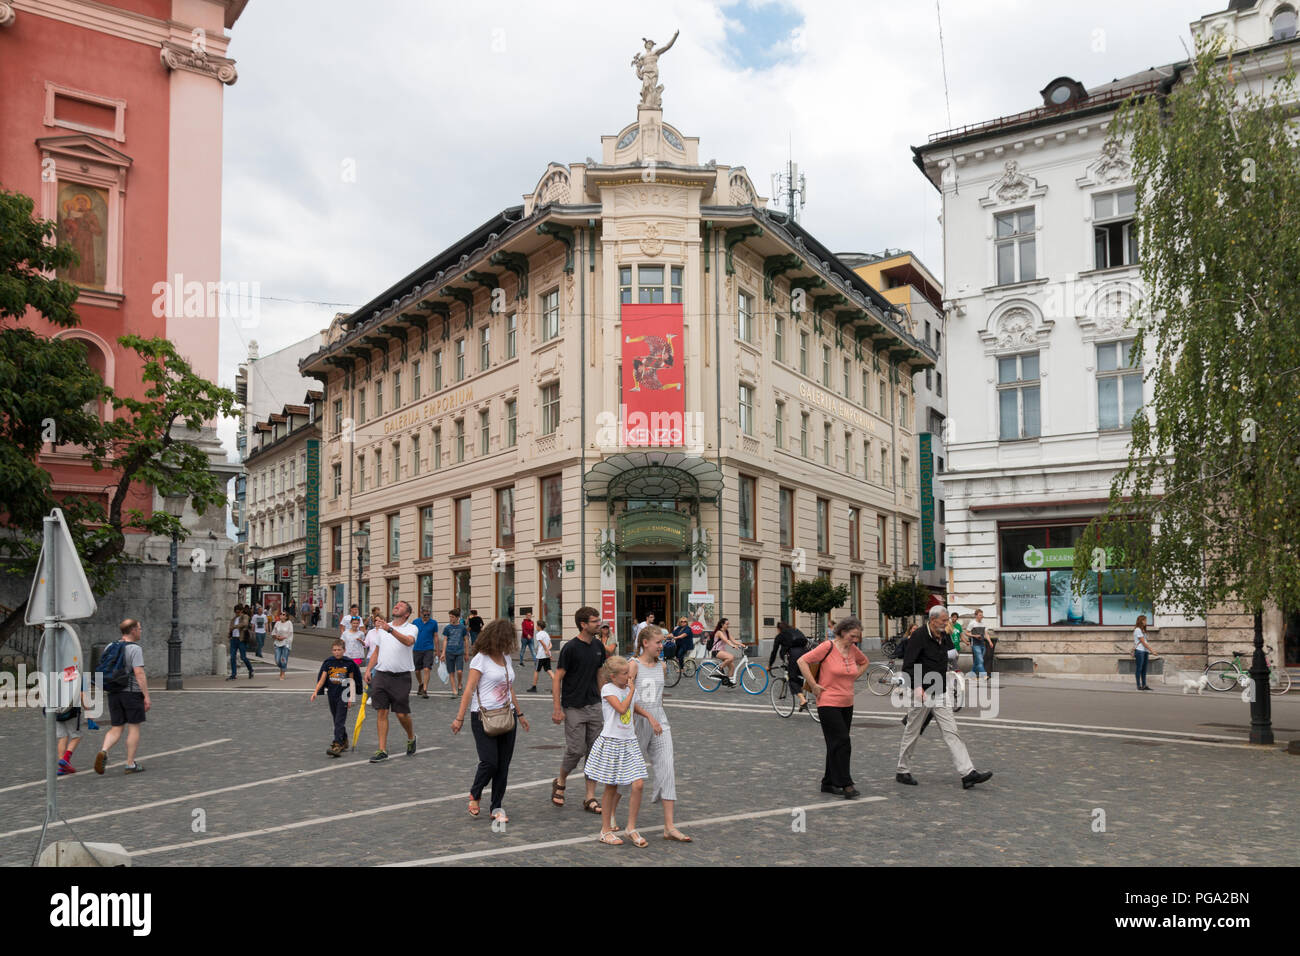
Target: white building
x,y
1041,272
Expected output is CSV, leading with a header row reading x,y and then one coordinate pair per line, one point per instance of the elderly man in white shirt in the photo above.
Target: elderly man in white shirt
x,y
391,661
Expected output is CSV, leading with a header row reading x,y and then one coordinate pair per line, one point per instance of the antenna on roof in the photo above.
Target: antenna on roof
x,y
792,187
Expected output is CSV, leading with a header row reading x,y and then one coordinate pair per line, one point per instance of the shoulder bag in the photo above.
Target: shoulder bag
x,y
502,719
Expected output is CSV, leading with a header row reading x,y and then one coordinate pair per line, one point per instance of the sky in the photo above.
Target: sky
x,y
362,139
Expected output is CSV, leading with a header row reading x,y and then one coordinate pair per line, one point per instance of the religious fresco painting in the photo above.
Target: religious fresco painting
x,y
83,223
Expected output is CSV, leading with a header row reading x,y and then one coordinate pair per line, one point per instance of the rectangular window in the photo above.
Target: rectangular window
x,y
803,434
855,550
866,387
938,378
903,418
941,511
336,548
361,406
426,531
484,432
787,585
464,523
625,285
882,539
437,448
1114,235
1036,574
650,285
512,423
848,452
460,440
906,475
361,471
866,459
883,408
506,592
397,389
826,444
415,454
437,371
550,315
551,615
803,353
884,467
394,538
397,461
336,478
748,494
552,507
779,353
746,410
745,316
855,595
505,518
826,366
675,284
426,592
394,592
1014,245
1018,397
415,380
338,416
787,518
748,609
461,594
823,526
379,397
460,360
379,469
848,371
907,542
780,425
512,335
484,348
1119,385
550,408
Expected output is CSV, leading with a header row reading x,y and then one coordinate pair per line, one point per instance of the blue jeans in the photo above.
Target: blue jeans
x,y
282,658
237,650
526,644
977,652
1141,669
261,639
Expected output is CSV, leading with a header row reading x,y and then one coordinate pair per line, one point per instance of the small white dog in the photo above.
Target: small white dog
x,y
1197,684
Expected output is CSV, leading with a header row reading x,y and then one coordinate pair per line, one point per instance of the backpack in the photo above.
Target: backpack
x,y
117,677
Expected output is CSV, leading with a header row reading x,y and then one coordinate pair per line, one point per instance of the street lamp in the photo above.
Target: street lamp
x,y
252,588
915,569
362,539
175,505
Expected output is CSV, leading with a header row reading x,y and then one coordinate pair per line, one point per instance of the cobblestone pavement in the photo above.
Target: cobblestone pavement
x,y
237,774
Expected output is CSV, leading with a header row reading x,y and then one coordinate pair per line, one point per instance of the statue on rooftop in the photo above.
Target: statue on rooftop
x,y
647,71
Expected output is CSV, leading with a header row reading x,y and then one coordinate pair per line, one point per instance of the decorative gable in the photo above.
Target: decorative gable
x,y
1012,186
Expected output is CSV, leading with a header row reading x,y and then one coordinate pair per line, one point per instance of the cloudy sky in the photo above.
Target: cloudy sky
x,y
361,139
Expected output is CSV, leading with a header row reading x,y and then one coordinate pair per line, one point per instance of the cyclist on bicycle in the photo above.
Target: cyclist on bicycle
x,y
790,643
722,648
684,639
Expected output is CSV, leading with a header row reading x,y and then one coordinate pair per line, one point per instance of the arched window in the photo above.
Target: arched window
x,y
99,358
1284,22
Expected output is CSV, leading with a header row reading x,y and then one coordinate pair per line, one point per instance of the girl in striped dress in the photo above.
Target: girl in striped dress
x,y
652,731
615,759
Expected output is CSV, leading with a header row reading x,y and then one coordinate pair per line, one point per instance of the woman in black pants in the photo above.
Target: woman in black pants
x,y
840,663
490,685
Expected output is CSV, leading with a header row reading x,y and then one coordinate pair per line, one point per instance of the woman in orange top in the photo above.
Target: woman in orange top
x,y
842,663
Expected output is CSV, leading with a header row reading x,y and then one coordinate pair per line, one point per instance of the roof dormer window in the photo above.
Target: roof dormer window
x,y
1284,22
1063,92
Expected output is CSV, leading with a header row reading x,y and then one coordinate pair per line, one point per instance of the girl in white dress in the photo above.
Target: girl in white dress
x,y
615,759
646,673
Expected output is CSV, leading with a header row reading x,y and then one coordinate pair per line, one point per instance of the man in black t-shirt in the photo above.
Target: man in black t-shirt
x,y
475,624
575,692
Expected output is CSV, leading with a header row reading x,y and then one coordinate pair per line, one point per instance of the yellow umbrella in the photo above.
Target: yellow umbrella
x,y
361,719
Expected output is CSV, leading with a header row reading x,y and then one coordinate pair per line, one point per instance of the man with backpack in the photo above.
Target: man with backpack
x,y
128,694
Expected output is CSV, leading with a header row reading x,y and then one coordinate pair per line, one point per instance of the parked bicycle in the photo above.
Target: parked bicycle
x,y
750,675
1224,675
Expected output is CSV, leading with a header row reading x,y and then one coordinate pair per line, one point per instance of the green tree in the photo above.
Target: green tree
x,y
902,599
50,394
1205,511
817,596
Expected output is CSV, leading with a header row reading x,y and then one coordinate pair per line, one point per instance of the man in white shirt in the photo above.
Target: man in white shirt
x,y
353,639
542,656
636,631
391,662
259,628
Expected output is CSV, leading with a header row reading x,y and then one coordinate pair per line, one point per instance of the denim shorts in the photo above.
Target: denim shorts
x,y
455,662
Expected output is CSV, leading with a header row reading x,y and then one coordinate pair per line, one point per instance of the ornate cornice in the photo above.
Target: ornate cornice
x,y
7,15
176,57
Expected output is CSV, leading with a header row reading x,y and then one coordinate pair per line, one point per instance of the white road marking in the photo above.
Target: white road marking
x,y
316,821
694,824
164,753
208,793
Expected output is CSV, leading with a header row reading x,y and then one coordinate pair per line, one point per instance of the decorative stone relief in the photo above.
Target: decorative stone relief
x,y
554,188
1012,186
1109,313
742,194
176,57
1112,165
1016,327
651,244
7,15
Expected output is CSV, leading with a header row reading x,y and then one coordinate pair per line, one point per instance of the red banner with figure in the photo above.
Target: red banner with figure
x,y
654,400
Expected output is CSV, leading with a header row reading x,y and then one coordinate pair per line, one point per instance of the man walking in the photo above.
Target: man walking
x,y
391,662
575,692
451,651
425,652
526,630
925,665
126,708
475,624
259,628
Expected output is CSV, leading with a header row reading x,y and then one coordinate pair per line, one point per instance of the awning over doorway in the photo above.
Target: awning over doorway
x,y
654,476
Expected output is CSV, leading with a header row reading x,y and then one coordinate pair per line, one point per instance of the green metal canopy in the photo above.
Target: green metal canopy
x,y
653,476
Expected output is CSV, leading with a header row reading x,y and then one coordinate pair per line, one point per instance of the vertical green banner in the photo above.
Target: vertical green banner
x,y
313,507
927,501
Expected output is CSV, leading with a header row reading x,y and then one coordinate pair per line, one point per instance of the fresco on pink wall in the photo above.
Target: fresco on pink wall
x,y
83,223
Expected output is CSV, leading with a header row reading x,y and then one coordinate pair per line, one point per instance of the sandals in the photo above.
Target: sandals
x,y
608,838
473,808
637,839
677,836
592,805
557,793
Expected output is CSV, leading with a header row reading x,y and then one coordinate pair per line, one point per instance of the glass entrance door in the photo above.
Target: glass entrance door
x,y
652,596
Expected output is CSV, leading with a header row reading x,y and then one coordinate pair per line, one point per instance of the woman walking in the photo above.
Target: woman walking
x,y
1142,652
283,634
490,686
655,737
840,664
615,759
240,636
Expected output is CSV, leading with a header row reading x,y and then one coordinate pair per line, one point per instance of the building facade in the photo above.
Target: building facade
x,y
1043,284
477,450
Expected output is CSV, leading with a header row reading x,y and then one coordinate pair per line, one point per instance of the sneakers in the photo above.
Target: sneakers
x,y
379,756
974,777
907,779
133,768
231,677
65,767
410,746
335,749
101,758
